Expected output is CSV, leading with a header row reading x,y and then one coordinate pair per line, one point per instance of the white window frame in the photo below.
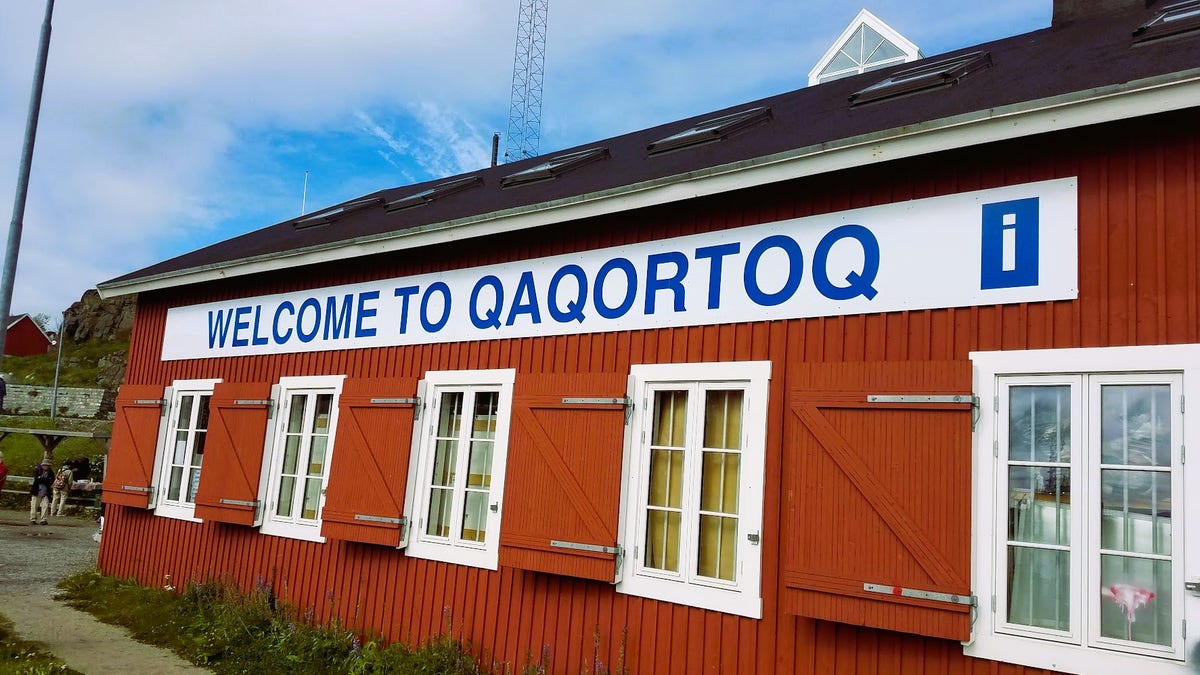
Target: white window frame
x,y
180,509
1080,649
743,596
295,527
454,549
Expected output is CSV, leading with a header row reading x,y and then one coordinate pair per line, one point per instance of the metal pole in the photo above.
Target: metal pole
x,y
57,365
14,229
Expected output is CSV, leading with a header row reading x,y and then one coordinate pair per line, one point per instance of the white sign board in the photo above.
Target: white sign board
x,y
1004,245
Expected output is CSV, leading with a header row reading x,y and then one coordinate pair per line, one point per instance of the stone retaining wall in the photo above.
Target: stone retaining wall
x,y
80,402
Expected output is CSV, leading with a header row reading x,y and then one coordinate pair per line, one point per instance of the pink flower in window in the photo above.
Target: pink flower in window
x,y
1129,598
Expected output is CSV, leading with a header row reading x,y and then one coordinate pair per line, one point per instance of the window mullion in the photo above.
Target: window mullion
x,y
462,467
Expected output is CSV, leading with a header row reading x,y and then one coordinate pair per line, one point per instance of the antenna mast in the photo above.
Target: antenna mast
x,y
525,110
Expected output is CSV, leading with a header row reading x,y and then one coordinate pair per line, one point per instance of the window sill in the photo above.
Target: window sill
x,y
485,558
293,531
727,601
187,513
1068,658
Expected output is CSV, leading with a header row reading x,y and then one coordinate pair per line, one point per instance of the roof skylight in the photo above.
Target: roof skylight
x,y
325,216
716,129
942,73
436,192
554,167
1180,17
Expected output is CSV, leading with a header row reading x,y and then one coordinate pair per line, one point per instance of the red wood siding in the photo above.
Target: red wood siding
x,y
1139,280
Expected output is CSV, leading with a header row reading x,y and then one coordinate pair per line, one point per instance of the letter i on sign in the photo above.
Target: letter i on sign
x,y
1009,244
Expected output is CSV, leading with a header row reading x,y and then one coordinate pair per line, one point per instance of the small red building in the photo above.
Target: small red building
x,y
882,375
25,337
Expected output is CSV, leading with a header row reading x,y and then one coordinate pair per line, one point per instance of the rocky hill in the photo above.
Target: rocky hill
x,y
92,319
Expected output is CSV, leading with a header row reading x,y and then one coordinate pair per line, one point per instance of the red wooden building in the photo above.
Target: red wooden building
x,y
25,337
882,375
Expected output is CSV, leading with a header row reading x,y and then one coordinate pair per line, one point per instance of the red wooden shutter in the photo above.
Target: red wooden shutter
x,y
563,486
129,475
364,500
239,419
877,496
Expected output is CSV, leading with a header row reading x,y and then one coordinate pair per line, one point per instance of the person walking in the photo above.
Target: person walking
x,y
62,490
39,493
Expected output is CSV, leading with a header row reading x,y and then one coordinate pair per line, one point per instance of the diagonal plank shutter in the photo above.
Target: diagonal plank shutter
x,y
239,420
564,475
129,475
877,495
365,498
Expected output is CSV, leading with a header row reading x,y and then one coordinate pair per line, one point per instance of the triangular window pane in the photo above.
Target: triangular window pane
x,y
886,51
871,42
839,63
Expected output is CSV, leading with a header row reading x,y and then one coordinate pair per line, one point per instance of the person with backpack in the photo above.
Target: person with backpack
x,y
62,490
39,493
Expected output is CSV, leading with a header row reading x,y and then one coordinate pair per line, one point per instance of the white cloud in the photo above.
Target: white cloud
x,y
169,124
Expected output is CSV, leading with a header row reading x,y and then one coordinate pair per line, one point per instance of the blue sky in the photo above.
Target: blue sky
x,y
167,125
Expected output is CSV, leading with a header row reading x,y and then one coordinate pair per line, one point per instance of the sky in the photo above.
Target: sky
x,y
168,125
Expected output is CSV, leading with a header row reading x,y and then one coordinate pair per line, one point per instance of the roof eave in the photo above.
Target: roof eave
x,y
1149,96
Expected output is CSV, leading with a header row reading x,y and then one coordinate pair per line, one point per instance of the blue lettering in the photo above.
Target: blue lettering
x,y
525,301
673,283
255,338
620,310
716,254
491,319
405,292
365,312
240,324
858,283
574,309
795,270
281,338
1009,244
218,327
308,304
435,326
337,323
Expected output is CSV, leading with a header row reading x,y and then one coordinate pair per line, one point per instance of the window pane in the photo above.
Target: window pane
x,y
321,417
1039,424
316,455
474,525
662,540
1039,505
666,478
202,413
480,464
1135,511
176,479
184,421
287,488
180,454
670,417
1039,588
296,414
1135,599
291,451
444,457
719,482
198,447
312,498
484,425
723,420
450,416
193,484
718,547
439,512
1135,428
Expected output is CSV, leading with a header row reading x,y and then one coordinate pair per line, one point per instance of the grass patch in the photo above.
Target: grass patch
x,y
22,657
80,365
233,632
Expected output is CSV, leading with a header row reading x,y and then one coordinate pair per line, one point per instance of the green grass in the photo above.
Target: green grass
x,y
22,657
233,632
22,452
80,364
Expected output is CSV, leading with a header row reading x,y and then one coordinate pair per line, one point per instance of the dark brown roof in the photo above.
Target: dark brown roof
x,y
1086,55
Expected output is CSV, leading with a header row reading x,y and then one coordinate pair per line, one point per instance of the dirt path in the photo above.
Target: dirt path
x,y
32,560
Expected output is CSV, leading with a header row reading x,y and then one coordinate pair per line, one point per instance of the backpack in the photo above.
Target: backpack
x,y
60,481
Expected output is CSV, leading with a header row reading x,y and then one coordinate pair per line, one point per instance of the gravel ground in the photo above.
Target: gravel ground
x,y
33,558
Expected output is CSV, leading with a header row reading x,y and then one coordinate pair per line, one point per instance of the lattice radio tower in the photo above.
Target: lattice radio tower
x,y
525,109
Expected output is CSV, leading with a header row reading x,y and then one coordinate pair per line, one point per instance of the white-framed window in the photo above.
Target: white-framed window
x,y
300,451
1080,502
456,479
181,447
692,493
